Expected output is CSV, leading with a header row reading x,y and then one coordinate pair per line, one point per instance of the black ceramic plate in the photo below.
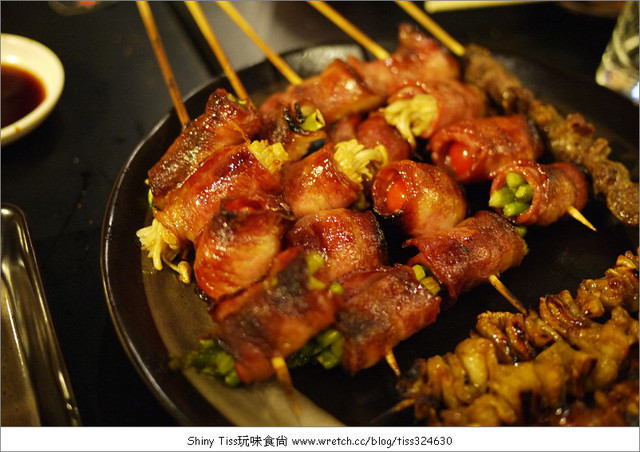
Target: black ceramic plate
x,y
155,314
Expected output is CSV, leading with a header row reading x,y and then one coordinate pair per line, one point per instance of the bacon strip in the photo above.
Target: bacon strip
x,y
468,254
455,101
423,197
492,142
418,58
232,171
315,183
225,122
238,245
274,318
384,306
556,187
347,240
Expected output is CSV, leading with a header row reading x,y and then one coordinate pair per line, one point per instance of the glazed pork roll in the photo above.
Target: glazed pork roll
x,y
532,193
476,149
422,198
230,172
226,121
238,245
345,239
383,306
468,254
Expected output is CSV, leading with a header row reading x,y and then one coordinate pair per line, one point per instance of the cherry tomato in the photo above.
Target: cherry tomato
x,y
396,195
460,159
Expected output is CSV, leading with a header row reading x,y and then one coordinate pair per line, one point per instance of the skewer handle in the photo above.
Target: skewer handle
x,y
161,56
278,62
436,30
206,30
350,29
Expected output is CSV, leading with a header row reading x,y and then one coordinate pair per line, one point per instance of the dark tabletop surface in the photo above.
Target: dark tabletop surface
x,y
61,175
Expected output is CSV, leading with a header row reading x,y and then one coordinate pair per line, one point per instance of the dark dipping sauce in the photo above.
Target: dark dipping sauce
x,y
22,92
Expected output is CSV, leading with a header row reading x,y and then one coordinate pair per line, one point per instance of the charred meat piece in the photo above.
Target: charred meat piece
x,y
417,58
231,172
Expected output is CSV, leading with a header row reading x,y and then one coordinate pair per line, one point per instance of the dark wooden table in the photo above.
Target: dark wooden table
x,y
61,175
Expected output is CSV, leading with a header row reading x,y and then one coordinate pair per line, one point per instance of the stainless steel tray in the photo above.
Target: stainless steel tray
x,y
35,383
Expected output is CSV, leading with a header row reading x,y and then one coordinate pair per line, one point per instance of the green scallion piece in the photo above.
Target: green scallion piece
x,y
514,180
501,197
524,193
514,208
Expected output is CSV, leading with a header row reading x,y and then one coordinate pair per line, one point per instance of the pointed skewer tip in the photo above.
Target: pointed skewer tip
x,y
575,213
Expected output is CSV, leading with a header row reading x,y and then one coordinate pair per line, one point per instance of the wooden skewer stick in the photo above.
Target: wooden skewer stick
x,y
458,49
506,293
346,26
284,378
277,61
161,56
393,363
575,213
212,40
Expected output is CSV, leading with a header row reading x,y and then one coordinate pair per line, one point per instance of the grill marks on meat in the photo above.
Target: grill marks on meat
x,y
231,172
347,241
274,318
383,307
492,142
564,359
421,197
225,122
556,187
570,138
466,255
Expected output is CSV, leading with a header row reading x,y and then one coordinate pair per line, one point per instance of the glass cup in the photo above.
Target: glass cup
x,y
618,69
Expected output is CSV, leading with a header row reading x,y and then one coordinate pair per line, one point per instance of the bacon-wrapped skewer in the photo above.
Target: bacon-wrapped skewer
x,y
421,109
330,178
344,239
371,132
274,318
226,121
239,244
532,193
474,150
418,58
383,306
355,86
230,172
422,197
470,253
